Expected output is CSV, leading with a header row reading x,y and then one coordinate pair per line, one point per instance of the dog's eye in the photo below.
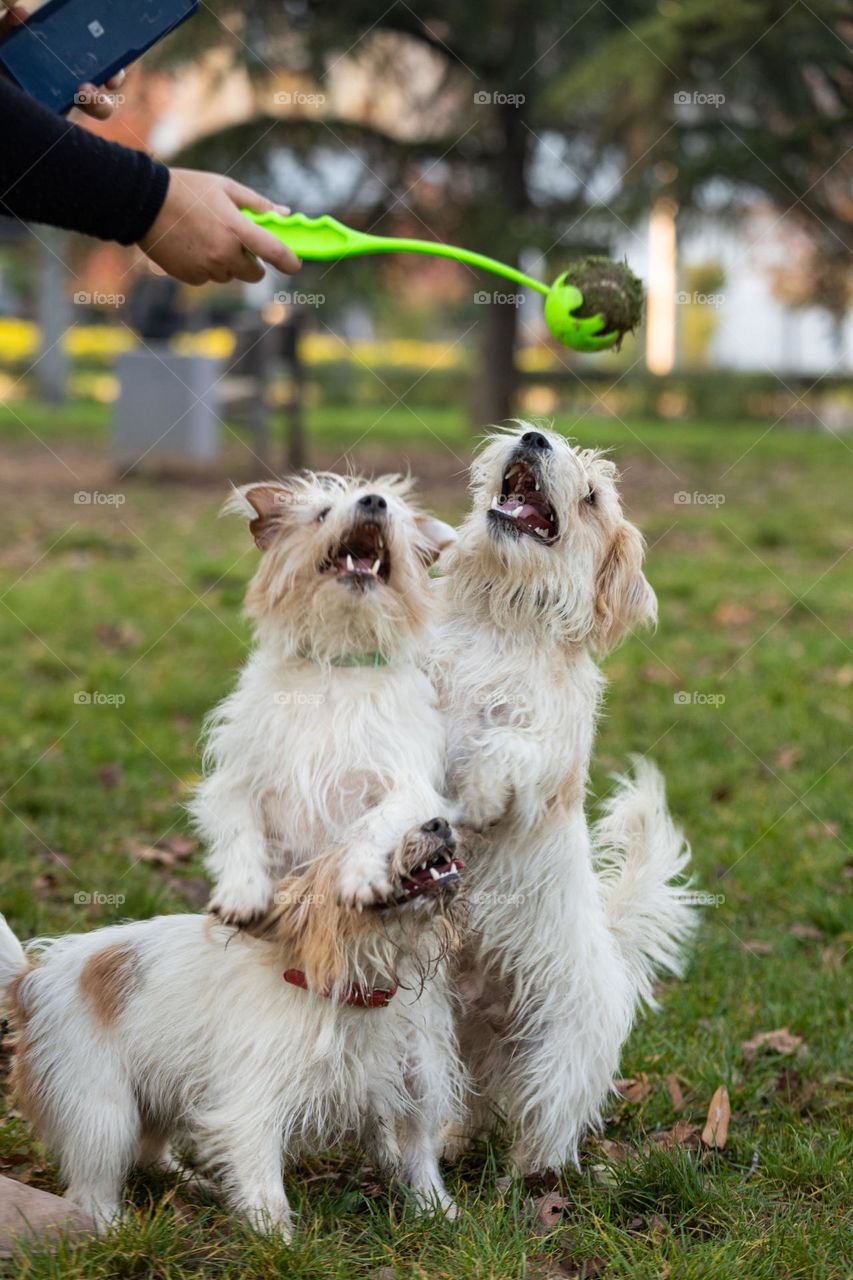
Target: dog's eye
x,y
591,497
322,516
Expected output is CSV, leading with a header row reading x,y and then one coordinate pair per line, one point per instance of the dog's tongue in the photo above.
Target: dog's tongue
x,y
360,564
521,509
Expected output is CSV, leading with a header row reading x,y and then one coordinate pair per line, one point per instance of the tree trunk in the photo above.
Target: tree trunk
x,y
494,394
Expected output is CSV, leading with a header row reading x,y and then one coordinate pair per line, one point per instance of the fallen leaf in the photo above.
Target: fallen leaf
x,y
808,932
780,1041
110,775
44,885
618,1152
675,1092
716,1129
787,757
844,676
682,1134
384,1273
163,853
196,891
548,1212
180,846
118,635
758,948
658,1226
733,614
635,1089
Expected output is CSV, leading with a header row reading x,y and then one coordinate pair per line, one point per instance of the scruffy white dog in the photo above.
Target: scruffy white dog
x,y
568,930
179,1026
332,730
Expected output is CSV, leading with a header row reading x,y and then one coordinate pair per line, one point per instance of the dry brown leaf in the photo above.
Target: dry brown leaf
x,y
682,1134
634,1089
844,676
733,614
758,948
118,635
618,1152
716,1129
779,1041
548,1212
675,1091
787,757
808,932
180,847
109,775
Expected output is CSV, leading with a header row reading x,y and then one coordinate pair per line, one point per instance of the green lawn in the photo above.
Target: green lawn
x,y
141,602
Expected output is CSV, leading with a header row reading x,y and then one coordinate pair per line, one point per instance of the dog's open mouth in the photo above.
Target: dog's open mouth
x,y
362,558
522,505
441,871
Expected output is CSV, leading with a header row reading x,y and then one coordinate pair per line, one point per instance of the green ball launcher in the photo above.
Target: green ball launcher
x,y
325,239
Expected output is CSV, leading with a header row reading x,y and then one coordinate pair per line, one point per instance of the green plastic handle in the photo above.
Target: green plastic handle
x,y
324,239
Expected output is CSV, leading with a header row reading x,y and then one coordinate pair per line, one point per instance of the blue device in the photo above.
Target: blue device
x,y
71,42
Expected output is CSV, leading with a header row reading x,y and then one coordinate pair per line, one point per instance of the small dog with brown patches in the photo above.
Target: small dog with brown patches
x,y
333,732
569,928
179,1027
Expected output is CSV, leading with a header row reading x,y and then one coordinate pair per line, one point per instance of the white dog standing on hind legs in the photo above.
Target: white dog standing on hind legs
x,y
333,732
569,928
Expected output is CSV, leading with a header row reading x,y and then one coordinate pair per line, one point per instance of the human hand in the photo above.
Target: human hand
x,y
93,101
200,234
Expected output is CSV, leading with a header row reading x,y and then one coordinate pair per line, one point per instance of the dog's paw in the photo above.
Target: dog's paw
x,y
241,902
363,884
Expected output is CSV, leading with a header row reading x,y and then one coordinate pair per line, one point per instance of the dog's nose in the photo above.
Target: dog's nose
x,y
438,827
536,440
373,502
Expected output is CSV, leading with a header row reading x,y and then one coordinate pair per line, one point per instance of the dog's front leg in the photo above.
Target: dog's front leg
x,y
237,858
498,774
369,846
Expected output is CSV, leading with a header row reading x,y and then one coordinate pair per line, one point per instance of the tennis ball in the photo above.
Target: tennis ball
x,y
594,303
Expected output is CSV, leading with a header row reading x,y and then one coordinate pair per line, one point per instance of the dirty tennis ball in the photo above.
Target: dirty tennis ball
x,y
610,289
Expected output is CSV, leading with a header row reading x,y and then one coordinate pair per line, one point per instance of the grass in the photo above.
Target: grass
x,y
142,602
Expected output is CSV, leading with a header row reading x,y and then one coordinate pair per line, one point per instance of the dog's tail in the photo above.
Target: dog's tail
x,y
642,858
13,960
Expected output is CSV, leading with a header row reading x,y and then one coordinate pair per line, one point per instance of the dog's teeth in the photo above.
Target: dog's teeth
x,y
349,563
377,565
536,486
423,865
435,874
540,533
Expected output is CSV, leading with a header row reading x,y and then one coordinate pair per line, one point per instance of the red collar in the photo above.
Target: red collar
x,y
358,997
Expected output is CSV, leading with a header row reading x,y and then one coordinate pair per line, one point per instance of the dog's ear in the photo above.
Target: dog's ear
x,y
435,535
266,504
623,598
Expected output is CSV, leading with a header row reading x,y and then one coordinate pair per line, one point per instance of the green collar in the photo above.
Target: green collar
x,y
352,659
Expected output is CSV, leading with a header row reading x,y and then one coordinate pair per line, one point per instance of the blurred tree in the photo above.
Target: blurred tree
x,y
539,129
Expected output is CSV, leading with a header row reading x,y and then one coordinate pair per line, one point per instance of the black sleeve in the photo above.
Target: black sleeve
x,y
53,171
